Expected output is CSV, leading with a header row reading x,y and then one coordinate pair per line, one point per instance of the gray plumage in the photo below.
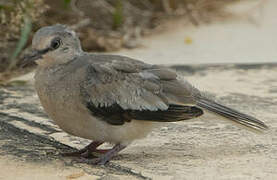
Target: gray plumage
x,y
111,98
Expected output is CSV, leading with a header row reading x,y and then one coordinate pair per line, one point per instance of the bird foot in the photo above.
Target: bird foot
x,y
107,155
86,152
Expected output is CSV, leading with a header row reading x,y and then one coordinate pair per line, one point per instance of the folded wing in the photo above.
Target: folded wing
x,y
119,90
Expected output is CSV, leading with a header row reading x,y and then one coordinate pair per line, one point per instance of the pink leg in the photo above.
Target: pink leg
x,y
106,157
86,151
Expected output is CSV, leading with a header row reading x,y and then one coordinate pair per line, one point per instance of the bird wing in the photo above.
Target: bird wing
x,y
120,89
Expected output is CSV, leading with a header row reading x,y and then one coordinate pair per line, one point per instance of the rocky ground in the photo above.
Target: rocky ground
x,y
205,148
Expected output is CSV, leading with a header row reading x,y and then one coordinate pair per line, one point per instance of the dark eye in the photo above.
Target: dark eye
x,y
55,43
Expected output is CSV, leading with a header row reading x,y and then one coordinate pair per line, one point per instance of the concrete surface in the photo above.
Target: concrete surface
x,y
249,38
205,148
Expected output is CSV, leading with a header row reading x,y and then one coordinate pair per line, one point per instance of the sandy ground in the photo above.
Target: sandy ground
x,y
13,169
249,38
205,148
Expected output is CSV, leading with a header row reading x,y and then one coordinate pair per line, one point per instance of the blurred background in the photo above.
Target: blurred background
x,y
155,31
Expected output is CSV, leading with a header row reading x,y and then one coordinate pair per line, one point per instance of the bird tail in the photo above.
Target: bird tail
x,y
231,114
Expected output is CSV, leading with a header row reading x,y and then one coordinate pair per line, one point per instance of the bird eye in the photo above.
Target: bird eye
x,y
55,43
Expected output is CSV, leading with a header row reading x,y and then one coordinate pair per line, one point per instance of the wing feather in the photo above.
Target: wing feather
x,y
136,90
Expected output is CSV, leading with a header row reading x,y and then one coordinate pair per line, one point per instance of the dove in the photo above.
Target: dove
x,y
112,98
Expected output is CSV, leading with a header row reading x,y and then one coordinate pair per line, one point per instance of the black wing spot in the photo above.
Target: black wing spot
x,y
115,115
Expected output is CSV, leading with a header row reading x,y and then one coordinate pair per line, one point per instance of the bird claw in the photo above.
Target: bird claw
x,y
86,152
90,155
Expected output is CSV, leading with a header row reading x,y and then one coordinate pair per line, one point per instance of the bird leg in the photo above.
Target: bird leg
x,y
105,157
86,152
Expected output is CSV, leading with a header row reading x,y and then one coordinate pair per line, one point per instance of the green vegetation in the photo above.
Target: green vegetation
x,y
26,30
118,15
16,17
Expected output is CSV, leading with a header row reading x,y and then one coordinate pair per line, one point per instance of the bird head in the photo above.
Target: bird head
x,y
53,45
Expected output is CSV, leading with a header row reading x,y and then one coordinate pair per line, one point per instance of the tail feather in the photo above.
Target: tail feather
x,y
231,114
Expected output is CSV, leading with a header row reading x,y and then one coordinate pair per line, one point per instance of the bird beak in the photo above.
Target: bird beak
x,y
33,56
